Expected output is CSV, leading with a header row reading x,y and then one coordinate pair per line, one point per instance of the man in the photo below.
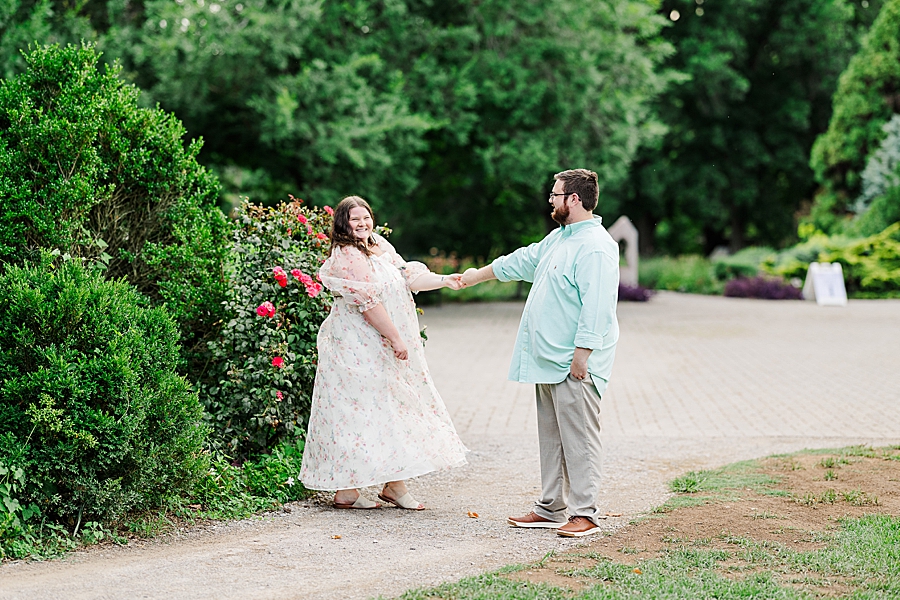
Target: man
x,y
566,345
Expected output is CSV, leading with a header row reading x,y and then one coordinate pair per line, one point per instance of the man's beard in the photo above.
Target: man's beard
x,y
561,214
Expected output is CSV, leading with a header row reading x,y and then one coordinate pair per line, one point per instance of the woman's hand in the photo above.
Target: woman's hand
x,y
400,350
454,282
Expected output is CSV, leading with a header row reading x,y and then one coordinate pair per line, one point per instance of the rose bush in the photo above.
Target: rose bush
x,y
258,388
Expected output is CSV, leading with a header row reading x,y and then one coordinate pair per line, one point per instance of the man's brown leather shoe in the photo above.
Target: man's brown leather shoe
x,y
533,520
577,527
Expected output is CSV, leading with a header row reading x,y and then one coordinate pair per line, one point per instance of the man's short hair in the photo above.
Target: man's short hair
x,y
582,182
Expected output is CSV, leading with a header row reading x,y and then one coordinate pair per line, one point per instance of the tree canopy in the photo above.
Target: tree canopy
x,y
867,96
451,116
733,168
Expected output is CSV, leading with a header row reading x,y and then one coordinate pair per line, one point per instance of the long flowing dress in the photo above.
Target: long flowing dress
x,y
374,417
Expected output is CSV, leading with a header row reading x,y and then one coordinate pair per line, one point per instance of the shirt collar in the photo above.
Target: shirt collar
x,y
568,230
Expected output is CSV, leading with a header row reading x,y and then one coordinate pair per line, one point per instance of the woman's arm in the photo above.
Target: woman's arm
x,y
432,281
378,318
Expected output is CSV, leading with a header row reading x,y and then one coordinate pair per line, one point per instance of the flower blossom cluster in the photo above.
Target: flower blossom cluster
x,y
280,276
312,288
266,309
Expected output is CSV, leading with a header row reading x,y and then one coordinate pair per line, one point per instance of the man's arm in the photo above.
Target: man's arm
x,y
475,276
596,277
518,266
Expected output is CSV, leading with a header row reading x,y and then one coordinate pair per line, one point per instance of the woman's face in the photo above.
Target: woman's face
x,y
361,223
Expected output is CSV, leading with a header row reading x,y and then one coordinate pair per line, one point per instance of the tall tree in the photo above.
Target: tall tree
x,y
866,98
451,116
733,168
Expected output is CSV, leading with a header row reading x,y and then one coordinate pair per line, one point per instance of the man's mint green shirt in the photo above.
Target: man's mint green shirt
x,y
572,303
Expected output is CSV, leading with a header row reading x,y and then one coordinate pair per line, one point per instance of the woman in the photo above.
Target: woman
x,y
376,415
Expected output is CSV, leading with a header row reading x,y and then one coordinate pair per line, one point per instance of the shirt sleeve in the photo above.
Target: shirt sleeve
x,y
597,280
521,264
349,274
410,270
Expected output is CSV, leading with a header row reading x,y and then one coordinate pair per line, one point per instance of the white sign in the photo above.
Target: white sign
x,y
825,284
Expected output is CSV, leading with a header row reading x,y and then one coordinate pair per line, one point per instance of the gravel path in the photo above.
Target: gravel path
x,y
698,382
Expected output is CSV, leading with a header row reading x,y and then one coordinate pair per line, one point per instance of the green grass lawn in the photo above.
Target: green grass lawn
x,y
855,556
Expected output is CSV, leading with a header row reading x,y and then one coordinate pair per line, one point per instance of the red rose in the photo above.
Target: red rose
x,y
278,362
266,309
302,219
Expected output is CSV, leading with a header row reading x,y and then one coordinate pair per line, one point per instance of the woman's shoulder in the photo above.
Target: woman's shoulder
x,y
347,251
382,242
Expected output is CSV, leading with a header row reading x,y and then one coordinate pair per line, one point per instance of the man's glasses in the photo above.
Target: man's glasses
x,y
552,194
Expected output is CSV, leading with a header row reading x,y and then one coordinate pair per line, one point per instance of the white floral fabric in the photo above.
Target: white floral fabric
x,y
374,417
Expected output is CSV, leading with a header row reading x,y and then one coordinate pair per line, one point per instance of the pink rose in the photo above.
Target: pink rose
x,y
279,395
297,273
302,219
321,236
305,279
313,289
329,210
278,272
278,362
266,309
309,230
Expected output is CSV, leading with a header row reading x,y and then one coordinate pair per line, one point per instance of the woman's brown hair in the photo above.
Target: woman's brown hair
x,y
341,233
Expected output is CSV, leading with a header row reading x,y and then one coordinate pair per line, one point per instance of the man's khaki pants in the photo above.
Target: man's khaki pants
x,y
568,416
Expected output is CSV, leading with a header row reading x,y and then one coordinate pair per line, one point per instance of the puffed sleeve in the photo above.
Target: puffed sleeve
x,y
349,274
411,270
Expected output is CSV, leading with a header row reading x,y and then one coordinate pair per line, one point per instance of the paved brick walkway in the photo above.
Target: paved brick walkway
x,y
698,382
695,367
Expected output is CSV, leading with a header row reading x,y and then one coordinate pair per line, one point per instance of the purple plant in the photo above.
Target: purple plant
x,y
765,288
634,293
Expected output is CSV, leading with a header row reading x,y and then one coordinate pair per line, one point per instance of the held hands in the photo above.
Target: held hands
x,y
469,277
454,282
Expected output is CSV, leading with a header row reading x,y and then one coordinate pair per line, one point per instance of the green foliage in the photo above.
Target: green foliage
x,y
252,403
534,88
262,483
450,116
746,263
864,101
878,205
733,167
24,22
692,274
91,408
871,265
88,172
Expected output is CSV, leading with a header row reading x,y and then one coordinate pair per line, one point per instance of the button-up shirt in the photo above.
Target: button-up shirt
x,y
572,303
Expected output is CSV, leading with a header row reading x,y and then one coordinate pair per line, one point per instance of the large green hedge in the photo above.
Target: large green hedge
x,y
91,408
85,170
868,94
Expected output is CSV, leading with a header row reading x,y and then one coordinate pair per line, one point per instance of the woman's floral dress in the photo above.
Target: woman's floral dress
x,y
374,417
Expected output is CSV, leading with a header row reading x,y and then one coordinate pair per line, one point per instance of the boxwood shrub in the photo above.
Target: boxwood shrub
x,y
91,408
85,170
